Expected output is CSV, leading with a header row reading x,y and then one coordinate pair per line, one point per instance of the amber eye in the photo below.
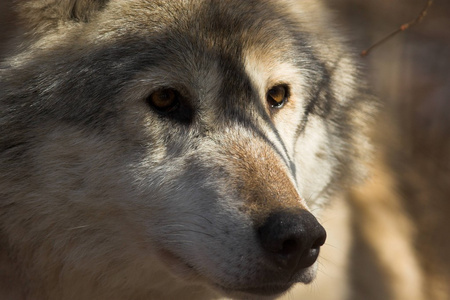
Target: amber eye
x,y
164,100
277,96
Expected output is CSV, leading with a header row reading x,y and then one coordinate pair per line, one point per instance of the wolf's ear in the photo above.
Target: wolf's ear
x,y
39,15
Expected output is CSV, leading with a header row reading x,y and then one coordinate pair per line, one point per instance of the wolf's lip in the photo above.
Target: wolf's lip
x,y
177,265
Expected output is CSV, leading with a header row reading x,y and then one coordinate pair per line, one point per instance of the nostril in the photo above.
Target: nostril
x,y
289,246
321,239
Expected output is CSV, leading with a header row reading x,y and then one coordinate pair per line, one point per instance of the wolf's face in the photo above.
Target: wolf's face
x,y
192,137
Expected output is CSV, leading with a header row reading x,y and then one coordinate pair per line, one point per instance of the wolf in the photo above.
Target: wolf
x,y
173,149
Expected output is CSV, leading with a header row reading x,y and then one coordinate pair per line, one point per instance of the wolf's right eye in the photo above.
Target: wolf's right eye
x,y
164,100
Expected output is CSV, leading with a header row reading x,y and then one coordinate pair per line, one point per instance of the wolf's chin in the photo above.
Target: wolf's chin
x,y
261,292
267,290
182,270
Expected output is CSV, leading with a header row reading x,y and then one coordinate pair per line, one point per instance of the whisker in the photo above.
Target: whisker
x,y
201,216
190,230
79,227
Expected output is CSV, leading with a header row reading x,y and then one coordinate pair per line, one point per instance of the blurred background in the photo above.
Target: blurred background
x,y
410,73
7,18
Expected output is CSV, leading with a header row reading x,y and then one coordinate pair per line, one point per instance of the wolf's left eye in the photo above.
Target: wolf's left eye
x,y
277,96
164,100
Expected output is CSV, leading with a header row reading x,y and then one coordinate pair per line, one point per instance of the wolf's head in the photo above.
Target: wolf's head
x,y
189,139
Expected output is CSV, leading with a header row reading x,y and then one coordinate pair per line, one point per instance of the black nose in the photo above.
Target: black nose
x,y
292,239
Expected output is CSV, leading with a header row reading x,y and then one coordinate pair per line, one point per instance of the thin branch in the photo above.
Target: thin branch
x,y
402,28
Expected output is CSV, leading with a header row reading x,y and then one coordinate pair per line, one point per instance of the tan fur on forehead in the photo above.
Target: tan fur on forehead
x,y
266,72
266,68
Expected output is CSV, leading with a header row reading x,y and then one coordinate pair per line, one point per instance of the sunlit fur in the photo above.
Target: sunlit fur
x,y
103,197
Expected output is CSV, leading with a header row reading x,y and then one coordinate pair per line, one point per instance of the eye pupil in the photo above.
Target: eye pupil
x,y
277,96
165,100
165,95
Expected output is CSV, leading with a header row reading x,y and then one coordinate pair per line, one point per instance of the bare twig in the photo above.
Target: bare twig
x,y
402,28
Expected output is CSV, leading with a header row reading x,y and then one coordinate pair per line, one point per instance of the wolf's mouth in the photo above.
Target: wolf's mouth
x,y
270,289
266,290
178,266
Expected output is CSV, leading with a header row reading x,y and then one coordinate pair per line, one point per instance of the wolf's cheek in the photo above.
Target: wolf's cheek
x,y
315,163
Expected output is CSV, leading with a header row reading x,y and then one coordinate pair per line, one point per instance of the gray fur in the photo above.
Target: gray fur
x,y
96,186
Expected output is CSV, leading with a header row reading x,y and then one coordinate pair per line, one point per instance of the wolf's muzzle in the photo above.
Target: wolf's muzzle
x,y
292,239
